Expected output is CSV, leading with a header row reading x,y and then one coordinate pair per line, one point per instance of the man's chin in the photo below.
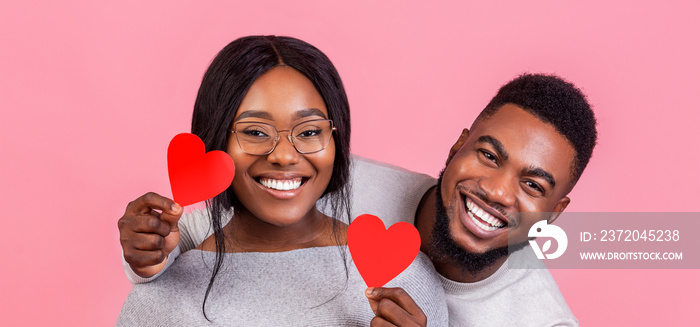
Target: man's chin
x,y
444,246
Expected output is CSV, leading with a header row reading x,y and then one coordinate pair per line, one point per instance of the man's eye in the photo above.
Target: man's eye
x,y
535,186
488,155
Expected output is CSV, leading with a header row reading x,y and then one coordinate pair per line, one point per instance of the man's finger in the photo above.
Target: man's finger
x,y
139,258
172,218
397,295
380,322
148,242
373,304
393,313
155,213
152,200
150,224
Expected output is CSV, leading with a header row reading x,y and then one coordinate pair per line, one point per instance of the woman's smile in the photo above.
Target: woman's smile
x,y
283,186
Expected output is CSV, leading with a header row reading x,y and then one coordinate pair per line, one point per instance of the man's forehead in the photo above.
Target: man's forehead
x,y
506,112
513,120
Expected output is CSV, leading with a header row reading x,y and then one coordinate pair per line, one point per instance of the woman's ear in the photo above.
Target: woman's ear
x,y
458,145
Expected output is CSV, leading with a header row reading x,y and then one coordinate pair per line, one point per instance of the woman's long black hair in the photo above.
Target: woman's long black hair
x,y
224,85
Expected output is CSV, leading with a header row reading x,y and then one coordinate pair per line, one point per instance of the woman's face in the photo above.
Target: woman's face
x,y
293,182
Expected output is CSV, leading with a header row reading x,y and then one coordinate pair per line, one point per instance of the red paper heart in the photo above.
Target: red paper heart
x,y
381,254
195,175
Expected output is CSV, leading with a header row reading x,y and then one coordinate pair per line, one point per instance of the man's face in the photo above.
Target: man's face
x,y
512,171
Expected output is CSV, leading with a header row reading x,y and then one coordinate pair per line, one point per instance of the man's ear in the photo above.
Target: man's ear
x,y
458,145
558,209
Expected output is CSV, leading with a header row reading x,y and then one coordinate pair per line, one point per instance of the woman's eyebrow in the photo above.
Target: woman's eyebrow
x,y
303,113
254,113
309,112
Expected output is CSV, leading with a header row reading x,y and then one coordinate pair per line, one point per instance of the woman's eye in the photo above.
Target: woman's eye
x,y
310,133
254,133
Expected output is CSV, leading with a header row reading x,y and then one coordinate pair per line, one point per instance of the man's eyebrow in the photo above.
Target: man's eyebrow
x,y
496,145
309,112
539,172
254,113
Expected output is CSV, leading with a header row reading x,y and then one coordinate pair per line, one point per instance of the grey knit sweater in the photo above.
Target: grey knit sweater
x,y
304,287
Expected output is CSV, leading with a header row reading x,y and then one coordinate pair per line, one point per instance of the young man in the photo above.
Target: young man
x,y
514,167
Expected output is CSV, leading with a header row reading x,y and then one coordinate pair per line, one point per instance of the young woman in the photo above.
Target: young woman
x,y
278,107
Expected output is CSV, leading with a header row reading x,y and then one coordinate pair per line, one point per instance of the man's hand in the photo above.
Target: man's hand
x,y
148,232
394,307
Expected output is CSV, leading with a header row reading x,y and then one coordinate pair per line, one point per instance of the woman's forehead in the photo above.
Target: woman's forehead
x,y
282,93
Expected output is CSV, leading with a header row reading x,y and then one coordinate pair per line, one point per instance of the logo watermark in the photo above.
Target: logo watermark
x,y
543,229
619,240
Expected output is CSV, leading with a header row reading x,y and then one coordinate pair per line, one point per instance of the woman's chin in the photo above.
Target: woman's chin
x,y
285,216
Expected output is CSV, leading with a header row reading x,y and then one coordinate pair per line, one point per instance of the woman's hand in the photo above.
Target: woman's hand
x,y
394,307
148,232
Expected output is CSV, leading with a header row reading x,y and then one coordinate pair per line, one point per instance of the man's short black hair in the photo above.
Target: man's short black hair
x,y
554,101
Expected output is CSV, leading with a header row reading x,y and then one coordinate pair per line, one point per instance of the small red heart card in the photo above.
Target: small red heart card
x,y
195,175
381,254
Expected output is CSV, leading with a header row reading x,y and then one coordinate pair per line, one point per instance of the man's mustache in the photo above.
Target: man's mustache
x,y
481,195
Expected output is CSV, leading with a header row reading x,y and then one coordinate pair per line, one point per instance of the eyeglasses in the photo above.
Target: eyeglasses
x,y
261,138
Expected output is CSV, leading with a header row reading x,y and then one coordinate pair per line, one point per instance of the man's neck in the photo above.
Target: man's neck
x,y
425,220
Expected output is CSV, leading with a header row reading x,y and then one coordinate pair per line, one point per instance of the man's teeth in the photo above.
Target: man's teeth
x,y
475,212
281,185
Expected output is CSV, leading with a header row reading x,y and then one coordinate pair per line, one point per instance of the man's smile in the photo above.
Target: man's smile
x,y
482,218
479,218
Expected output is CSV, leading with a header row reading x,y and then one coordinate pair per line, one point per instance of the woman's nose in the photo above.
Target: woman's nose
x,y
284,153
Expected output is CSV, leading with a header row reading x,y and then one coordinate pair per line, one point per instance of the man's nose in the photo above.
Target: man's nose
x,y
499,188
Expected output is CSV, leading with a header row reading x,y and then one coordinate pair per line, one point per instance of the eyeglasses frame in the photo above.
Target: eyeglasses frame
x,y
289,136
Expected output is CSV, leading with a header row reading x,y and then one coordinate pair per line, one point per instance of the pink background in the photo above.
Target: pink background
x,y
91,94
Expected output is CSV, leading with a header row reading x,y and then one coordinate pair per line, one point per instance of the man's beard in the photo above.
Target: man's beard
x,y
445,247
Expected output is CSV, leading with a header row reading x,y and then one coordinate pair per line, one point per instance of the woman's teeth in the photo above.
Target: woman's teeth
x,y
475,212
281,185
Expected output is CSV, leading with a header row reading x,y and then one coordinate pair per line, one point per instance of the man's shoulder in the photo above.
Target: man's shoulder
x,y
386,176
363,163
390,192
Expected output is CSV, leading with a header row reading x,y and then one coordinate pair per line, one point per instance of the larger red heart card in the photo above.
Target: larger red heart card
x,y
195,175
381,254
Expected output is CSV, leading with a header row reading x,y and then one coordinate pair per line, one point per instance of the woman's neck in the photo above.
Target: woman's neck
x,y
246,233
